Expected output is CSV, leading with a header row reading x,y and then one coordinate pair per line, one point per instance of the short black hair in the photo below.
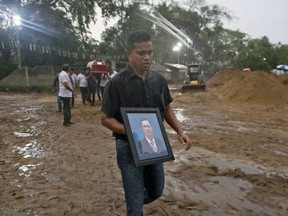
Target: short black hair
x,y
137,37
144,119
65,67
108,61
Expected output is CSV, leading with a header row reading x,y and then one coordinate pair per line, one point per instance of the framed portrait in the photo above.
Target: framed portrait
x,y
146,135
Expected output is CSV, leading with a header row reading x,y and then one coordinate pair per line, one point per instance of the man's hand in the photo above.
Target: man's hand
x,y
185,140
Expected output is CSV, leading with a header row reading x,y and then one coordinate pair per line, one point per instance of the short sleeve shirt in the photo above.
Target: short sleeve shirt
x,y
63,91
81,78
126,89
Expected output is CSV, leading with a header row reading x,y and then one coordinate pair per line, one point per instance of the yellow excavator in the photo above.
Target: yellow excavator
x,y
194,80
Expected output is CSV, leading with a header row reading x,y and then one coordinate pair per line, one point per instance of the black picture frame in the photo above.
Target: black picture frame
x,y
132,120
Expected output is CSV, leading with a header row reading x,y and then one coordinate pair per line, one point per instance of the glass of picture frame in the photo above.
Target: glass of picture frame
x,y
142,124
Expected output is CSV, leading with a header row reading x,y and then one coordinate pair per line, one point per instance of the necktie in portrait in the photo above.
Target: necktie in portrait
x,y
153,145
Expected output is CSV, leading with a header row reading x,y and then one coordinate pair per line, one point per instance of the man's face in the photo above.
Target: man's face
x,y
147,129
141,56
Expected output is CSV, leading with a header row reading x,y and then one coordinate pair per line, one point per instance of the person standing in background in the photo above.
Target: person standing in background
x,y
112,72
98,90
73,78
83,85
104,80
66,92
55,86
92,87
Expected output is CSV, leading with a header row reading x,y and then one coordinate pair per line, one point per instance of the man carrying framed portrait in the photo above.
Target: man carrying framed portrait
x,y
138,86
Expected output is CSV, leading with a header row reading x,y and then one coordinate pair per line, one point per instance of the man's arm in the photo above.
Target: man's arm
x,y
112,123
174,123
67,86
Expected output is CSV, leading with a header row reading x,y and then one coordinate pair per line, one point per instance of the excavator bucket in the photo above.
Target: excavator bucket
x,y
193,88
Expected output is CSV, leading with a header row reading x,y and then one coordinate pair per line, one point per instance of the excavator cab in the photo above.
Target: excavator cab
x,y
193,79
193,75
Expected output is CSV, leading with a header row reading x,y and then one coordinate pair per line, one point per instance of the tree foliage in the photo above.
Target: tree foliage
x,y
55,29
199,22
56,32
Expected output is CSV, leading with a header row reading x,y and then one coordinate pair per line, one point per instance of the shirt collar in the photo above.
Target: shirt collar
x,y
149,141
131,72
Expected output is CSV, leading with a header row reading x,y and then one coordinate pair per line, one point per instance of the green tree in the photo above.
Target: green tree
x,y
193,20
230,46
54,31
130,21
281,54
80,12
259,54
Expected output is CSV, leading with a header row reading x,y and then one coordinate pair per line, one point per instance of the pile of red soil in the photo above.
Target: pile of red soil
x,y
257,87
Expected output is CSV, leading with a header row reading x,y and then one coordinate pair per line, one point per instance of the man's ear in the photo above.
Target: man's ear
x,y
127,52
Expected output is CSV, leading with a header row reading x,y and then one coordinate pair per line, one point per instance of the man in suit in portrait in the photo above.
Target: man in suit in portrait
x,y
149,143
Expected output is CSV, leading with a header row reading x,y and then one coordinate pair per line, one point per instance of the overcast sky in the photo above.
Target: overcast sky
x,y
256,18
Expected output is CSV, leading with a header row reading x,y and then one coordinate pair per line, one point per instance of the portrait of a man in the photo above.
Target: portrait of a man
x,y
150,144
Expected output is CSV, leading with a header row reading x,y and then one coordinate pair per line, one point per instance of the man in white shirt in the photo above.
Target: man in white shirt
x,y
83,84
112,72
65,93
104,80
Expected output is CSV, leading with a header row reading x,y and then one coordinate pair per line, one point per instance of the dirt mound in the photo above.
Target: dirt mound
x,y
284,79
224,76
257,87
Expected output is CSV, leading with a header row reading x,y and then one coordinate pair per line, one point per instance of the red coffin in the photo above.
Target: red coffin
x,y
98,66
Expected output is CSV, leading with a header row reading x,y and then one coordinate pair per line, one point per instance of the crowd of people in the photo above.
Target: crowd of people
x,y
89,83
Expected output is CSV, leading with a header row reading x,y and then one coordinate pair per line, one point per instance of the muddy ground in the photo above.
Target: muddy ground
x,y
237,165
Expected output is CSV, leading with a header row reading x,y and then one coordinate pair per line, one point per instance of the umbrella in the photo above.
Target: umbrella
x,y
282,67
